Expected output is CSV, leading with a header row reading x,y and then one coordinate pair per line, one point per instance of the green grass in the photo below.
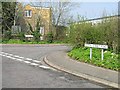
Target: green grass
x,y
83,54
15,41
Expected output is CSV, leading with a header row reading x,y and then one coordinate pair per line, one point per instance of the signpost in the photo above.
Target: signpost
x,y
97,46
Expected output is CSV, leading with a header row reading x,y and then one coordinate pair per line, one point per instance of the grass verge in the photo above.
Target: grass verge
x,y
15,41
110,59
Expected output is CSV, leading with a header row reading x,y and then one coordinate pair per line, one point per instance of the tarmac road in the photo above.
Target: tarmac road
x,y
23,67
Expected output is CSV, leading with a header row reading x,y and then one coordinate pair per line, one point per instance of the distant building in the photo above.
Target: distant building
x,y
99,20
31,15
95,21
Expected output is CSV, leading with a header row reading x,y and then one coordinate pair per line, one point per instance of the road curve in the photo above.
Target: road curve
x,y
22,67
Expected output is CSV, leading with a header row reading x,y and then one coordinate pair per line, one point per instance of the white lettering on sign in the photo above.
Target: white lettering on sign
x,y
97,46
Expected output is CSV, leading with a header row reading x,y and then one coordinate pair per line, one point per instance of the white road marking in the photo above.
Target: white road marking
x,y
19,60
3,55
21,57
29,59
26,62
8,56
36,61
16,56
13,58
34,64
45,67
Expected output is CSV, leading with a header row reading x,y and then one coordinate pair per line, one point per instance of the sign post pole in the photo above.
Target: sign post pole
x,y
96,46
90,53
102,56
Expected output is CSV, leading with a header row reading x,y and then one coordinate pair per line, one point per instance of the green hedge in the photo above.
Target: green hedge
x,y
105,32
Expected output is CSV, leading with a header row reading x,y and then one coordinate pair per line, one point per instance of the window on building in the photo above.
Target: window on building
x,y
28,13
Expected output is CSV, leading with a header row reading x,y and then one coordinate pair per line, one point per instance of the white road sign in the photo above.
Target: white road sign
x,y
97,46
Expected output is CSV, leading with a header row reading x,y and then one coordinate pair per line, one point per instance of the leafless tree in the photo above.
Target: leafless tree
x,y
60,9
60,12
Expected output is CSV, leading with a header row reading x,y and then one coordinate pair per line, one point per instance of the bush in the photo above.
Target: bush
x,y
36,35
7,36
22,36
105,32
50,37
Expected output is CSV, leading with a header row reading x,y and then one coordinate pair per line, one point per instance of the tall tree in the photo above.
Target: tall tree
x,y
60,12
0,21
8,15
20,20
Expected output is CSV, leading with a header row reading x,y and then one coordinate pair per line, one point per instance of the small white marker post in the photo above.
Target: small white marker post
x,y
102,55
97,46
90,53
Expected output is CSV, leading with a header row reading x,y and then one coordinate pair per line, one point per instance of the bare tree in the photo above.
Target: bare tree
x,y
60,12
19,19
